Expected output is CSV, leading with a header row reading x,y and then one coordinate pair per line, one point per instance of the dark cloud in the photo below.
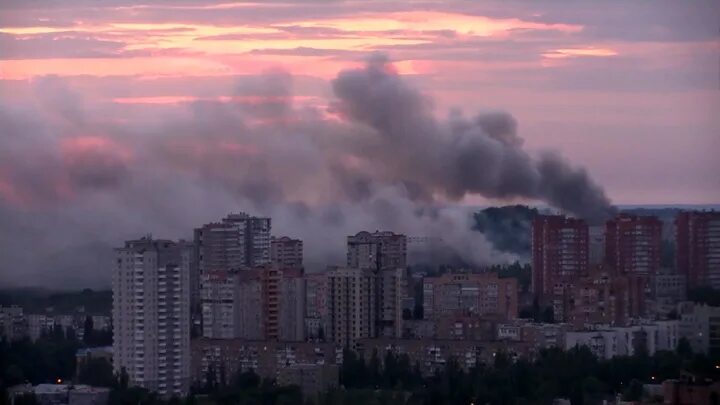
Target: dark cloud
x,y
69,180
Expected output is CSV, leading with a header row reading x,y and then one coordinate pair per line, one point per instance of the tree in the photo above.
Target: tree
x,y
88,331
634,391
683,348
97,372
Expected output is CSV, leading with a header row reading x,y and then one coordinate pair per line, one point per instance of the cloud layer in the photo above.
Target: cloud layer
x,y
377,159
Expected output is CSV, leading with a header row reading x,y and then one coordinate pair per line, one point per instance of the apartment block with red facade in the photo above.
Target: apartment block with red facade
x,y
632,244
559,256
603,297
697,237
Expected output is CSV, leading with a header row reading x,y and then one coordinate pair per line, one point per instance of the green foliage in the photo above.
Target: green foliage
x,y
705,295
507,228
37,300
98,373
575,374
51,357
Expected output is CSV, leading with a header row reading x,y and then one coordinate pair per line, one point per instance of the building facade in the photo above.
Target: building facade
x,y
151,315
351,305
632,244
238,241
286,252
377,251
697,238
316,305
480,295
559,257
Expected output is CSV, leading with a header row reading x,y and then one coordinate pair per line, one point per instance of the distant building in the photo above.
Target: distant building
x,y
151,315
667,290
391,292
351,305
291,322
385,254
697,241
433,355
62,394
13,323
87,395
286,253
700,325
482,294
377,251
596,239
606,343
559,258
39,324
632,244
257,303
227,357
603,297
316,305
238,241
457,326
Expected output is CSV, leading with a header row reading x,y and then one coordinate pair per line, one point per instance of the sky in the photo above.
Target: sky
x,y
120,117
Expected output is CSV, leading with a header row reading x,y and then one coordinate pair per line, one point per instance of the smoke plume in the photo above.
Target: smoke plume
x,y
74,181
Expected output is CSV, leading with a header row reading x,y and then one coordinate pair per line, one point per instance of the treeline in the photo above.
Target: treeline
x,y
575,374
34,300
383,379
51,357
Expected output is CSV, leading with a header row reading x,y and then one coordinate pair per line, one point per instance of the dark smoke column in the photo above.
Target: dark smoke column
x,y
408,146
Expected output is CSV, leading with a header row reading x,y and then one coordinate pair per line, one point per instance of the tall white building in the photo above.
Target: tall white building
x,y
151,315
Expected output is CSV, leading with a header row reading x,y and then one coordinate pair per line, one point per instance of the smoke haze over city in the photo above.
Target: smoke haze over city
x,y
159,118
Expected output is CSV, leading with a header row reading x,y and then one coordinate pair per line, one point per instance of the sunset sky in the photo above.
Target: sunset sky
x,y
629,89
119,117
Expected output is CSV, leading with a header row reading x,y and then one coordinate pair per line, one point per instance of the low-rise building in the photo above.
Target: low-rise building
x,y
700,325
433,355
609,342
227,357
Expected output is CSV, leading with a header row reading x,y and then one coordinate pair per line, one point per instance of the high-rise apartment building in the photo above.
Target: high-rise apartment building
x,y
286,253
238,241
351,305
482,294
392,290
291,323
632,244
377,251
385,254
219,311
316,305
604,297
697,237
151,315
258,303
559,253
